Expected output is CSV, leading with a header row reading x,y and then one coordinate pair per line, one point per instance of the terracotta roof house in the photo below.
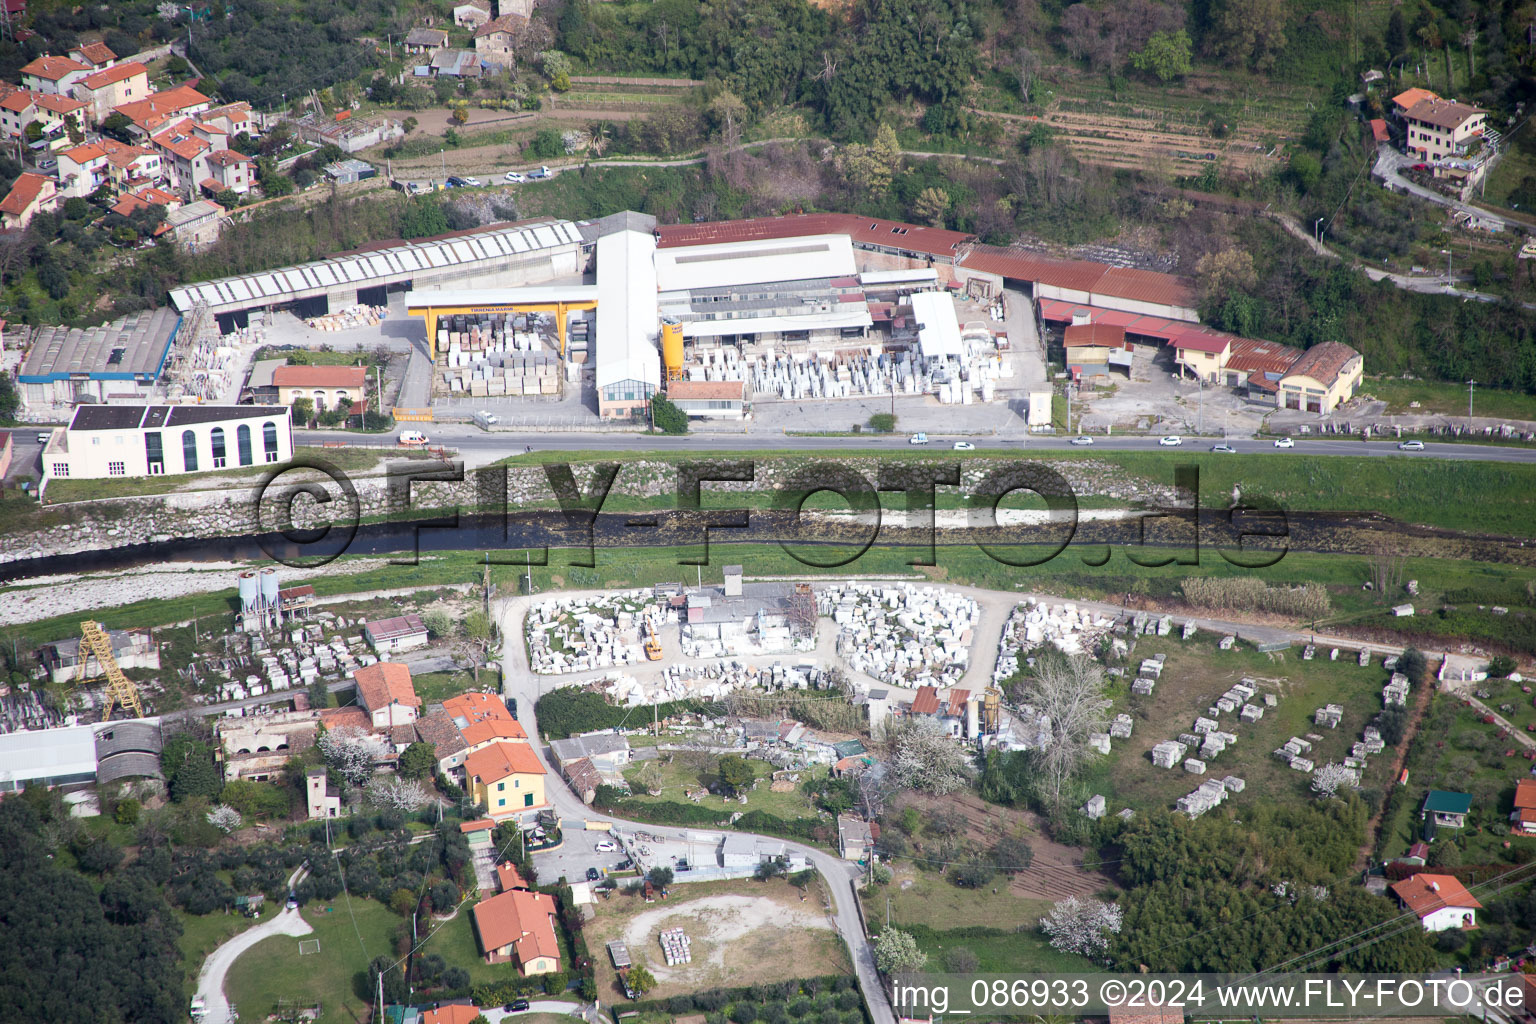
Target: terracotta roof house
x,y
1405,100
150,113
52,74
1523,818
1440,901
449,1013
1326,376
96,55
506,777
480,734
583,777
30,195
508,877
111,87
326,386
476,707
495,39
926,702
384,690
437,728
519,927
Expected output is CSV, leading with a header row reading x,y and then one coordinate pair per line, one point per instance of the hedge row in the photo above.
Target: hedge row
x,y
568,711
670,812
714,999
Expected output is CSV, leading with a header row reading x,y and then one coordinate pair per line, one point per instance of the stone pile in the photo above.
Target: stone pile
x,y
576,635
676,947
1396,690
1070,629
902,635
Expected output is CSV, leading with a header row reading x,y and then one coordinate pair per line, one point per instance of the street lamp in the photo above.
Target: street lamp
x,y
1447,254
1317,232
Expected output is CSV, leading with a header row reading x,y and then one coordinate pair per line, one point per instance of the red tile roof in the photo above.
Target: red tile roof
x,y
229,156
1379,131
115,73
159,104
1323,362
1201,341
863,231
387,682
19,100
1408,97
453,1013
1104,335
478,825
122,155
52,68
61,105
320,376
350,716
1081,275
519,919
493,729
508,877
1446,114
1424,894
706,390
926,702
502,759
1525,795
1146,286
85,154
477,707
97,53
180,140
509,23
1250,356
26,191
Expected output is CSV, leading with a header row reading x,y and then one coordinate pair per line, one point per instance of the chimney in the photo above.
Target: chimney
x,y
1080,317
1434,886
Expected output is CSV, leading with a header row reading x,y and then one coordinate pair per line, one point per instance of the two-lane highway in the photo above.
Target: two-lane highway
x,y
473,441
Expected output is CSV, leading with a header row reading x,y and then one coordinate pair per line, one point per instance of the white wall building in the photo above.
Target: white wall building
x,y
155,440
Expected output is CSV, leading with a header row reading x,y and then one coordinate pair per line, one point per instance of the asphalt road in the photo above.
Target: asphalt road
x,y
471,440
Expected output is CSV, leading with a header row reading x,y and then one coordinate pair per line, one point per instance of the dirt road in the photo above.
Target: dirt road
x,y
210,980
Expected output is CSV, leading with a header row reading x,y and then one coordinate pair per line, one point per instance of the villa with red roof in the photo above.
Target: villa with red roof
x,y
30,195
111,87
386,694
52,74
1441,902
518,927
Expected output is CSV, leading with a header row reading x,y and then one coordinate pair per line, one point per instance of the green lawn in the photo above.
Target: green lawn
x,y
677,776
1448,399
998,951
1196,674
434,687
932,900
455,942
202,935
336,977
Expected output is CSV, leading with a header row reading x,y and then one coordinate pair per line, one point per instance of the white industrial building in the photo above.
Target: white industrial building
x,y
116,361
135,441
628,363
501,256
802,289
938,327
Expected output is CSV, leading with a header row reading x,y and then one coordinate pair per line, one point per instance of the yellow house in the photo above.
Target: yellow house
x,y
1326,376
1202,354
507,777
518,926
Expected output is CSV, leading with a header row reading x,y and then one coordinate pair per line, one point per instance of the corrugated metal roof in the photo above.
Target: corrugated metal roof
x,y
863,230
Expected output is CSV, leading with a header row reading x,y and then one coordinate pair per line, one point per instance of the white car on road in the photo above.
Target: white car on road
x,y
514,177
1082,439
1284,442
1171,441
1224,448
964,446
472,182
1411,446
413,438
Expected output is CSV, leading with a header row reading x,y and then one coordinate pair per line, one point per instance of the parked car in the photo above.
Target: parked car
x,y
514,177
593,874
1284,442
43,437
542,172
918,438
486,419
412,438
453,181
293,902
607,846
517,1006
1082,439
1224,448
1171,441
473,183
964,446
1412,446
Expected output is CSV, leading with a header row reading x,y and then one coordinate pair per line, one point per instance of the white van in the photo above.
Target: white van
x,y
485,420
412,438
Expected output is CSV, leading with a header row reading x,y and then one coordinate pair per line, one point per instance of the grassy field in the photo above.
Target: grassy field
x,y
677,777
202,935
918,897
1195,675
1449,399
455,942
273,969
433,687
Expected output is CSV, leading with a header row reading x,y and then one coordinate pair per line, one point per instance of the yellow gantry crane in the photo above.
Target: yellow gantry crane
x,y
120,689
652,641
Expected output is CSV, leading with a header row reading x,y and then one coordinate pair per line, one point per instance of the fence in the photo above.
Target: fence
x,y
413,415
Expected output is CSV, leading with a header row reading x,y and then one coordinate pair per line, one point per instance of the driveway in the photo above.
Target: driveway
x,y
210,980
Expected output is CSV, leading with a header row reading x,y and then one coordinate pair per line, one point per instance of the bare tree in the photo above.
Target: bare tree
x,y
397,794
351,753
1027,64
828,67
1069,692
924,757
225,818
873,792
1387,562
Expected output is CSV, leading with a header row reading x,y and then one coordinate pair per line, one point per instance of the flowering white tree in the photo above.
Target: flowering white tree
x,y
225,818
168,11
351,753
396,794
924,757
1082,926
896,951
1331,778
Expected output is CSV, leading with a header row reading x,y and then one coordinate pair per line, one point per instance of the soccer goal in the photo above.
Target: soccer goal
x,y
308,946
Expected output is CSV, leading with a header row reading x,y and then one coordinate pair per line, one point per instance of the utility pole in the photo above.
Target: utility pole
x,y
1471,388
1200,423
1068,390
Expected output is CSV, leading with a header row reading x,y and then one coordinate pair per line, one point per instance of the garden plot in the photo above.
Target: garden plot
x,y
902,635
578,635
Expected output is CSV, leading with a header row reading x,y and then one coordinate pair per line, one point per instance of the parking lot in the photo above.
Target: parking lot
x,y
578,853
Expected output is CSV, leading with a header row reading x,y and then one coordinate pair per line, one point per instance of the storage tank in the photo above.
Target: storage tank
x,y
269,587
672,347
250,591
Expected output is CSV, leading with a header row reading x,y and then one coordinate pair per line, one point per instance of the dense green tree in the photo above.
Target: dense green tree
x,y
418,761
1167,55
669,419
736,774
423,218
